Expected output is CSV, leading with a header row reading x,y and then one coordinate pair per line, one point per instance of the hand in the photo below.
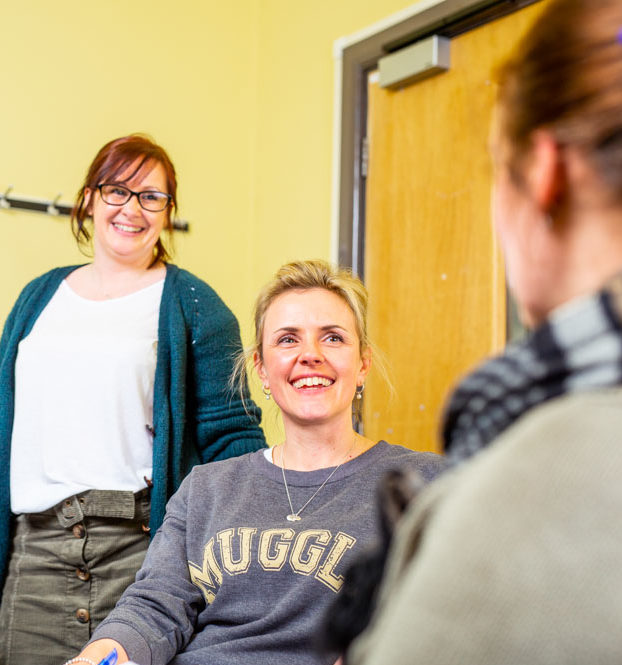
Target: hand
x,y
101,648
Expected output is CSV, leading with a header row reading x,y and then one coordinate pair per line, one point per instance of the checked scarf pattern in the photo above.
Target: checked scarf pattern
x,y
579,348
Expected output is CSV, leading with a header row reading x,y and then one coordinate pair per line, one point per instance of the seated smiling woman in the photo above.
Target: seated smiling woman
x,y
253,550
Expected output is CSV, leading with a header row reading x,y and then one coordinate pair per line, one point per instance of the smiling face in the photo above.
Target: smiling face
x,y
127,234
312,361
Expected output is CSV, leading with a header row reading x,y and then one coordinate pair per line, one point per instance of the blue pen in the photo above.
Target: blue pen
x,y
110,659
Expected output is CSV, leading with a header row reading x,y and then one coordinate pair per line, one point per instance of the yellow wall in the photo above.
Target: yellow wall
x,y
77,74
240,93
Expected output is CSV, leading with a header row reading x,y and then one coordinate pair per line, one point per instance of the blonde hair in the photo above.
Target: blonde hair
x,y
303,275
313,274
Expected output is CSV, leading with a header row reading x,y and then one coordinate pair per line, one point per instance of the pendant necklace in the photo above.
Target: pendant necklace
x,y
294,516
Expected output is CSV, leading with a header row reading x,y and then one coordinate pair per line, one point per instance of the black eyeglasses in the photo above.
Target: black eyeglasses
x,y
118,195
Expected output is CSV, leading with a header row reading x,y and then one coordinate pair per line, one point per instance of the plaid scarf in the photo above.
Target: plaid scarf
x,y
579,348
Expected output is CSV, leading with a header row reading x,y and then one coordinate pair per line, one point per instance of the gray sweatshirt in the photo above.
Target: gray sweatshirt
x,y
228,579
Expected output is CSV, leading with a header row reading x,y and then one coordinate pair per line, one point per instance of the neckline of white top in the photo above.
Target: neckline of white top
x,y
158,284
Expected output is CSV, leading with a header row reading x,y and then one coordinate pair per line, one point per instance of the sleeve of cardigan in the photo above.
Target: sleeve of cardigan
x,y
31,298
7,328
224,427
14,313
7,345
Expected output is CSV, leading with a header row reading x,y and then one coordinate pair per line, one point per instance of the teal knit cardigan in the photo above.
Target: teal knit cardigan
x,y
196,417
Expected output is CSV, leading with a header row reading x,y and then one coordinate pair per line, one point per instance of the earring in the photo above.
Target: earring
x,y
266,391
359,391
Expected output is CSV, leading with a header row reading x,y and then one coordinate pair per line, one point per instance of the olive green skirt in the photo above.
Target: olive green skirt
x,y
68,567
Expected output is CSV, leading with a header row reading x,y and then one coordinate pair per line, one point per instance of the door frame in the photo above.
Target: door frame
x,y
355,56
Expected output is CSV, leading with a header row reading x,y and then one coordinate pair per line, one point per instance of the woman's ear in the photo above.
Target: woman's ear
x,y
545,171
365,365
259,368
169,217
88,194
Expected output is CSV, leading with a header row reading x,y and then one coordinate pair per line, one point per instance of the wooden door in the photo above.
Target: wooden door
x,y
432,264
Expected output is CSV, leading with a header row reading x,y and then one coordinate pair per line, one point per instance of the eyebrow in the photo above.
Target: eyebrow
x,y
294,329
125,183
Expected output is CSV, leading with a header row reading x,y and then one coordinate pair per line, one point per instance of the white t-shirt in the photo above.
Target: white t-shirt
x,y
84,398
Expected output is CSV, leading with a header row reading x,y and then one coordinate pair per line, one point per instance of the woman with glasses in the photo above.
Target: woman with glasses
x,y
113,383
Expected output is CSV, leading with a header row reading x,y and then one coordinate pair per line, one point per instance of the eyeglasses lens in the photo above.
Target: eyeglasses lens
x,y
117,195
153,201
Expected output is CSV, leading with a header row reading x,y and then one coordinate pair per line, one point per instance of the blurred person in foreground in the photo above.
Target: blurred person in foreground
x,y
515,556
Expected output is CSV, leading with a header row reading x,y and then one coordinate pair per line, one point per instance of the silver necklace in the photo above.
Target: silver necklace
x,y
294,516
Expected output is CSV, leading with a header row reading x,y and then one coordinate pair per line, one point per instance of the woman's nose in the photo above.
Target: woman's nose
x,y
311,354
132,206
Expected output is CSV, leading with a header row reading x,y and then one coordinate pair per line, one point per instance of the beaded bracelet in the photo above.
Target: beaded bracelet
x,y
80,659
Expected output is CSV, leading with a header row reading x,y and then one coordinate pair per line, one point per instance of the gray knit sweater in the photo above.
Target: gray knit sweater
x,y
229,580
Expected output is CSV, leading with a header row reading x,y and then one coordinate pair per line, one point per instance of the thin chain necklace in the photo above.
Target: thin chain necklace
x,y
294,516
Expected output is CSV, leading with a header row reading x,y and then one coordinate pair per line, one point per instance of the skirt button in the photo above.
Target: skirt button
x,y
83,574
78,530
83,615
